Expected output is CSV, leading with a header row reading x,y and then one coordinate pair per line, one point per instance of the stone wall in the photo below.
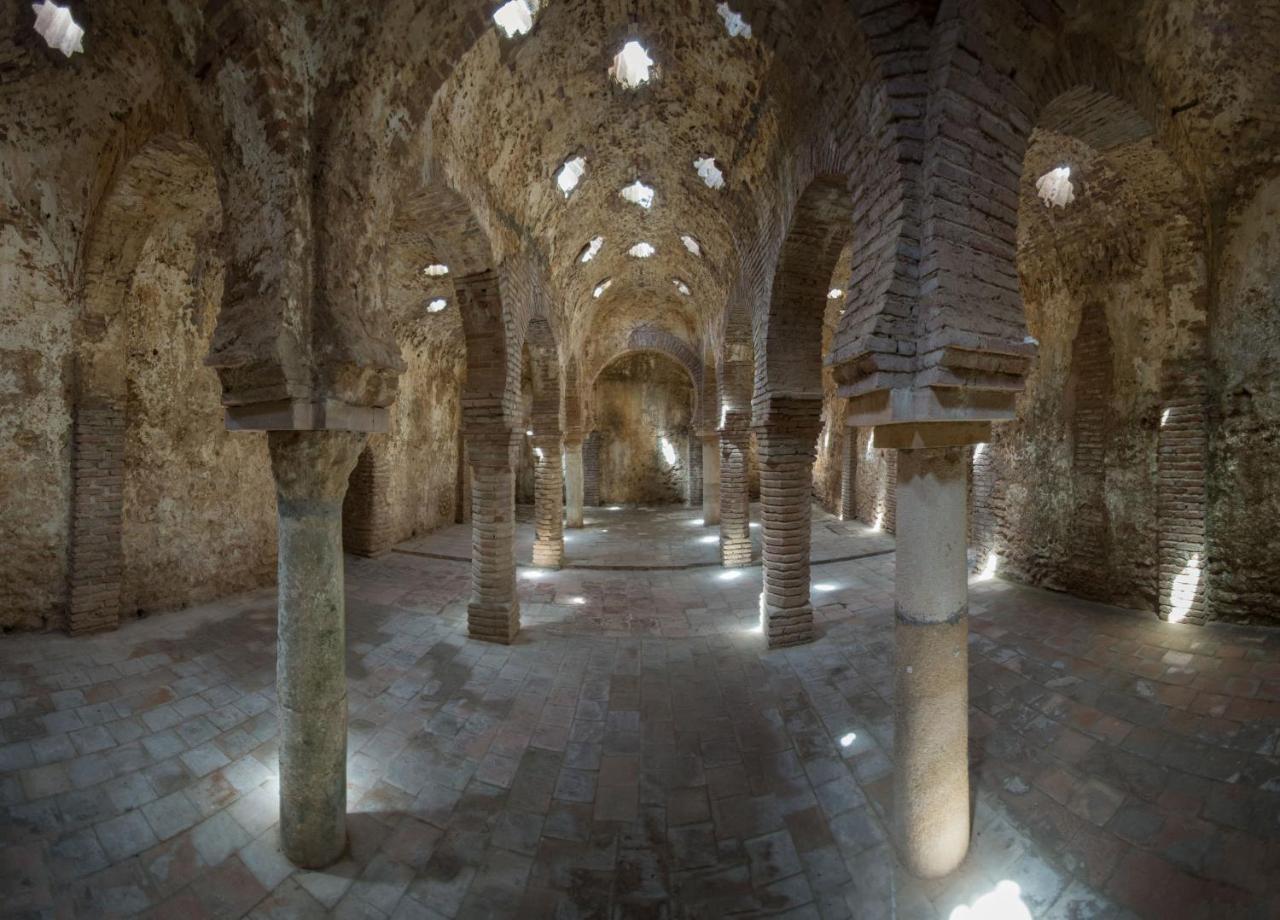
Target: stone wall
x,y
643,404
198,501
1244,576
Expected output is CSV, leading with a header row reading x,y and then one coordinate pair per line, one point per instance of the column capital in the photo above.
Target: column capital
x,y
313,465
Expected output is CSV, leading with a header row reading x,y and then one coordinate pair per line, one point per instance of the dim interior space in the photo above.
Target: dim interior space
x,y
636,459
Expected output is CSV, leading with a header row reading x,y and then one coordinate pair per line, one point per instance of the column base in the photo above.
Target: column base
x,y
784,626
735,553
493,622
931,750
548,555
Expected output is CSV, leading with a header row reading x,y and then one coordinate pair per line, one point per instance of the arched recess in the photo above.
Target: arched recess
x,y
1118,273
150,454
646,418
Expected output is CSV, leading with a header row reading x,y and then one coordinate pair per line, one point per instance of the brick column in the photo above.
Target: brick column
x,y
1180,498
573,484
710,478
849,475
735,503
591,470
96,556
366,520
693,450
548,501
494,611
311,470
787,448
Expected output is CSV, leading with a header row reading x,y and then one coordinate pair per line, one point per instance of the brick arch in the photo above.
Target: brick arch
x,y
544,365
788,366
659,341
168,179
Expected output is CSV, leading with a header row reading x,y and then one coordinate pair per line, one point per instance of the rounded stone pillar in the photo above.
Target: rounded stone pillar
x,y
711,479
735,500
494,612
931,687
786,486
573,483
548,502
311,470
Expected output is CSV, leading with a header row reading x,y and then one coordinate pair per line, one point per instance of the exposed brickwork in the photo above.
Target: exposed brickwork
x,y
849,475
591,470
1180,481
548,504
366,522
494,612
1091,388
693,464
786,489
735,509
96,560
984,502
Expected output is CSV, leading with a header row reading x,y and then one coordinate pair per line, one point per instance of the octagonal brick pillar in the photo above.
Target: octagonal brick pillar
x,y
787,441
735,500
548,501
494,611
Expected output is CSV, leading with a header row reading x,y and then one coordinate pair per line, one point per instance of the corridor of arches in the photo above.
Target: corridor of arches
x,y
634,458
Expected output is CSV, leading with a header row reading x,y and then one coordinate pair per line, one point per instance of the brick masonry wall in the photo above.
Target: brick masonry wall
x,y
1180,483
96,557
591,470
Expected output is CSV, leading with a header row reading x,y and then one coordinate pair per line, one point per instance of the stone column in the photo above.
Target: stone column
x,y
786,485
849,475
931,687
573,482
711,478
311,470
548,501
494,612
735,501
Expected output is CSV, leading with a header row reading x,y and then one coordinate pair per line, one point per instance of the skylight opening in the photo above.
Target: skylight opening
x,y
638,193
834,293
691,244
436,270
734,24
681,286
632,66
709,172
515,17
588,252
436,305
1055,188
601,288
641,250
57,27
570,174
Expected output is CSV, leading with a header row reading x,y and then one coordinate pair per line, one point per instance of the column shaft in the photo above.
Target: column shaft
x,y
494,612
311,470
573,483
735,501
786,486
711,479
931,691
548,502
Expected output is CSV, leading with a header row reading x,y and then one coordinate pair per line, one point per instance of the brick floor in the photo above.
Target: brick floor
x,y
639,753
